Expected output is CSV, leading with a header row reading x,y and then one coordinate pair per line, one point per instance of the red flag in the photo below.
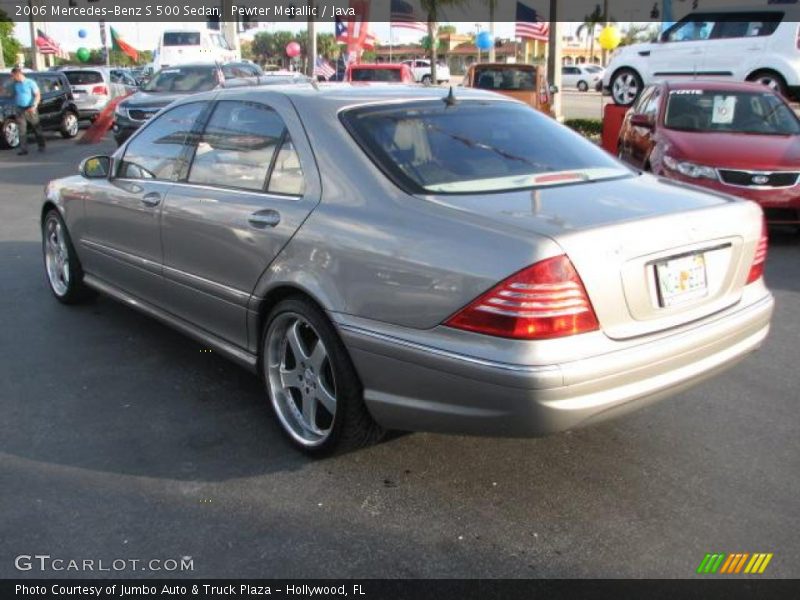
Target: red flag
x,y
117,43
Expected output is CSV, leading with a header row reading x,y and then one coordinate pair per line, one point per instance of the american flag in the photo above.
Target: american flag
x,y
530,25
48,45
343,33
323,68
403,15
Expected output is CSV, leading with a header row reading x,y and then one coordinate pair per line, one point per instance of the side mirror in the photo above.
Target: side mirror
x,y
554,88
96,167
640,120
664,37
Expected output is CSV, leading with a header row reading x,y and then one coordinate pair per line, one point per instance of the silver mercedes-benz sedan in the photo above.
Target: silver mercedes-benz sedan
x,y
392,257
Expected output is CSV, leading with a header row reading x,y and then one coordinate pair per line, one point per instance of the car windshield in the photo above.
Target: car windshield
x,y
377,75
730,112
181,38
505,79
475,146
83,77
183,79
5,86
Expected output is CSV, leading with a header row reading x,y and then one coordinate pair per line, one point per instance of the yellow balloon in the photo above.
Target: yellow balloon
x,y
609,38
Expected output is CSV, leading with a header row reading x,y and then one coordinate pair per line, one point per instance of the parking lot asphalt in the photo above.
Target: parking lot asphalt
x,y
122,439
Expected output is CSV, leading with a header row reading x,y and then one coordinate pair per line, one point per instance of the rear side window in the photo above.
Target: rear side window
x,y
83,77
756,24
474,147
385,75
287,176
157,152
238,146
505,79
181,38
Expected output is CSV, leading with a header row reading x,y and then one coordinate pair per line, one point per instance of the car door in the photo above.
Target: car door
x,y
251,184
52,98
630,135
733,40
682,50
123,213
641,138
569,77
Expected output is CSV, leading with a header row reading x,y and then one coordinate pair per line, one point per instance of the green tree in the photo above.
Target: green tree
x,y
327,46
444,29
638,33
10,44
431,8
589,25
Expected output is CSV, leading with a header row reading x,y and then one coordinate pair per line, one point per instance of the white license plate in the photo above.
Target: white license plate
x,y
681,279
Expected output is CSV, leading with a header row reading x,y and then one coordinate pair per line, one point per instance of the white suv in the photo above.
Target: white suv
x,y
754,44
422,71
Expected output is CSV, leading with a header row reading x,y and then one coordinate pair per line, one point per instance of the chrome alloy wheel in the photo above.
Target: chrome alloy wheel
x,y
11,133
71,124
300,377
56,256
625,88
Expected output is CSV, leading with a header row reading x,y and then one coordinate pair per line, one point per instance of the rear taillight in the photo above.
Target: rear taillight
x,y
757,268
545,300
100,90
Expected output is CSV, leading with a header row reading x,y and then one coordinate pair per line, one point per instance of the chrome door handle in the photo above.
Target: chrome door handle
x,y
264,218
151,199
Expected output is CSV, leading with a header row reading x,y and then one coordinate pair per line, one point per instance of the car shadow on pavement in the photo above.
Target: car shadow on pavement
x,y
783,258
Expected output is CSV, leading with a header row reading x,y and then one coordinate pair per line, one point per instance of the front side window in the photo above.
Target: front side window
x,y
475,147
182,38
693,29
761,113
157,151
237,146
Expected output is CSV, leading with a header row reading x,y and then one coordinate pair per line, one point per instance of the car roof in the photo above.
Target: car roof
x,y
712,85
378,66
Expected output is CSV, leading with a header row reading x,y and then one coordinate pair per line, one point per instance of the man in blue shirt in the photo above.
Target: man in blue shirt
x,y
27,97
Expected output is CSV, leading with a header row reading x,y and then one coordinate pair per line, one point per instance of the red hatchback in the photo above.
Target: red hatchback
x,y
739,138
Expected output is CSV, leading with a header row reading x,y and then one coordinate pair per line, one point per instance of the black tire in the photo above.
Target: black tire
x,y
583,86
772,80
7,140
69,127
426,79
73,290
352,425
629,80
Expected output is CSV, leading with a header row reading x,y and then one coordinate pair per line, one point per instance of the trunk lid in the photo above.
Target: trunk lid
x,y
618,232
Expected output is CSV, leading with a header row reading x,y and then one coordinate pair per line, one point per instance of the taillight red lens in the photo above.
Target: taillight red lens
x,y
545,300
757,268
100,90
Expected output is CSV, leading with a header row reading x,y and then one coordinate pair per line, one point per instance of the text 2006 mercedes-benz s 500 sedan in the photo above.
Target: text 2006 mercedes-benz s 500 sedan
x,y
397,257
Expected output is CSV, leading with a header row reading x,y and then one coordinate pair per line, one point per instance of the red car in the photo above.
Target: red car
x,y
739,138
379,73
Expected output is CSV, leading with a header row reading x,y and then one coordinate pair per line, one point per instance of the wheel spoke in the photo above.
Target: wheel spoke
x,y
290,378
318,356
310,413
296,342
326,398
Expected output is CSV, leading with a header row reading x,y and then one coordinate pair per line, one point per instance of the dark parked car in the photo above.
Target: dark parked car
x,y
57,109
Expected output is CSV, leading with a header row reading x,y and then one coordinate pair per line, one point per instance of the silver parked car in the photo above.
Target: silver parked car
x,y
396,258
94,87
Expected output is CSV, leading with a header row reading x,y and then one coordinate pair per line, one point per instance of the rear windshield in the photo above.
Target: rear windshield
x,y
83,77
376,75
183,79
505,79
475,146
730,112
181,38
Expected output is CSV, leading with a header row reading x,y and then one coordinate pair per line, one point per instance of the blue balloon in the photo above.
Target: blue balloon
x,y
82,33
484,40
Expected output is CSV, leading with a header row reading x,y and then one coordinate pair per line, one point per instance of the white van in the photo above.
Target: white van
x,y
739,44
181,46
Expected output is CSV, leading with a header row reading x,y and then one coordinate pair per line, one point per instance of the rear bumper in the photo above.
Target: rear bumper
x,y
412,387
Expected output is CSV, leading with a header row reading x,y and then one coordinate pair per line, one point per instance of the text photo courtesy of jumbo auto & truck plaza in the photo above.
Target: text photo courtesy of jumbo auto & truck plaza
x,y
399,299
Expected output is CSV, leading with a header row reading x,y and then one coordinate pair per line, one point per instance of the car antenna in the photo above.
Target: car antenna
x,y
450,99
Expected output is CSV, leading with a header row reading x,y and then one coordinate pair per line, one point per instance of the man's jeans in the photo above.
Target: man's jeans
x,y
30,118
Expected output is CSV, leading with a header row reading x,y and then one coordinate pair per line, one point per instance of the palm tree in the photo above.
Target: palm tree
x,y
431,8
589,25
